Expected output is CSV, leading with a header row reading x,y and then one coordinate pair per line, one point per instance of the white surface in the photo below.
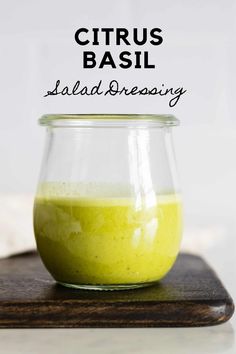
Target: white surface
x,y
16,224
116,341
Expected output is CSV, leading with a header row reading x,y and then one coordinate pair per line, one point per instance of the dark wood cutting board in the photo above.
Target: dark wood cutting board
x,y
190,295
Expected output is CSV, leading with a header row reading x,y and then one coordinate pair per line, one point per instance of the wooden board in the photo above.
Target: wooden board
x,y
191,295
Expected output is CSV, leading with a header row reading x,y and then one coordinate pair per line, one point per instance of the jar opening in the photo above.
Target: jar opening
x,y
82,120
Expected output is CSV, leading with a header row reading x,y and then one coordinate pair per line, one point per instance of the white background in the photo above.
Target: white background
x,y
198,53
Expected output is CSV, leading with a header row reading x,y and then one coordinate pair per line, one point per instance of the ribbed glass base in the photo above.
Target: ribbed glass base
x,y
101,287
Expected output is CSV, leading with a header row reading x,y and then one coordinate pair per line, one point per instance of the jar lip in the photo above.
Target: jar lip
x,y
85,119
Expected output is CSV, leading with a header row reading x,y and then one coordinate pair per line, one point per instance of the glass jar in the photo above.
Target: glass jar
x,y
107,213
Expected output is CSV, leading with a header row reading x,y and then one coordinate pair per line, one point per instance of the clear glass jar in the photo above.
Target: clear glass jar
x,y
107,213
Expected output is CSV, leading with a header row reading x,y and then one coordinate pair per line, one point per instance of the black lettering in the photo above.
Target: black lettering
x,y
95,36
96,89
179,92
107,34
65,91
75,88
153,91
146,63
84,91
54,92
134,90
169,90
78,40
113,88
156,36
143,91
138,64
89,57
123,58
122,34
144,37
107,60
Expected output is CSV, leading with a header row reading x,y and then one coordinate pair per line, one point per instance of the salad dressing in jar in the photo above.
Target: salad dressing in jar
x,y
108,212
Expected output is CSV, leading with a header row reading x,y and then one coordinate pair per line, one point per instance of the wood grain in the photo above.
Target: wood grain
x,y
191,295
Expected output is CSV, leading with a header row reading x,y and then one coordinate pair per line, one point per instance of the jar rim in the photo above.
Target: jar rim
x,y
85,119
